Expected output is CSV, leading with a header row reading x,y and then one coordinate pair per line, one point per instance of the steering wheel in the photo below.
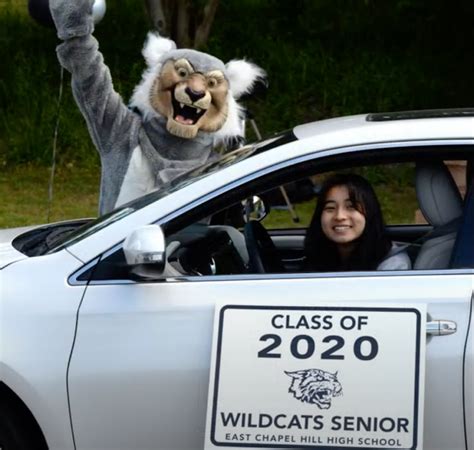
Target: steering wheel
x,y
263,255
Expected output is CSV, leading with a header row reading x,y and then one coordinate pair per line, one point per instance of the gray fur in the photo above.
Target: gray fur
x,y
204,61
72,18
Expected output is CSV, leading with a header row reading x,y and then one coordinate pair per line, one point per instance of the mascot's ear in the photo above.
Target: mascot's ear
x,y
242,76
298,374
155,47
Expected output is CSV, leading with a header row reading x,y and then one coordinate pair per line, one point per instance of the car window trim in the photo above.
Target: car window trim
x,y
286,276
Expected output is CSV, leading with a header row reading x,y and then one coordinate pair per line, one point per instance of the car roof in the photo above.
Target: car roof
x,y
380,127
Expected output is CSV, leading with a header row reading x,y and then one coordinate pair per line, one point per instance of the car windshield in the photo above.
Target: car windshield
x,y
174,185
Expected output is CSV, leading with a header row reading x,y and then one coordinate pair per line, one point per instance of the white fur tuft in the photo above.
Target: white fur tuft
x,y
141,94
234,125
155,47
242,76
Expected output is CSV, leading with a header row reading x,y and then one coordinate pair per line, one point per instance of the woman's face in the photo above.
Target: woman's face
x,y
341,222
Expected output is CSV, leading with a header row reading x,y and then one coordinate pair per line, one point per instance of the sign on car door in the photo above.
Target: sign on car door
x,y
326,376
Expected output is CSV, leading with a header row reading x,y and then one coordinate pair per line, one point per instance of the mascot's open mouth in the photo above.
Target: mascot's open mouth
x,y
186,114
323,395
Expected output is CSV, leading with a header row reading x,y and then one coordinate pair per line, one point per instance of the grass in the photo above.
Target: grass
x,y
24,194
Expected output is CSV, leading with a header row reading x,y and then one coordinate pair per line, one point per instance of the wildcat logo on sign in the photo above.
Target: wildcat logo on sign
x,y
315,386
296,377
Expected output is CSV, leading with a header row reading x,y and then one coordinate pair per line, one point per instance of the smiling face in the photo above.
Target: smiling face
x,y
341,220
190,100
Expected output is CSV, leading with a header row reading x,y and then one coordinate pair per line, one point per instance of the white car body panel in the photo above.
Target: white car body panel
x,y
469,383
39,317
8,254
124,332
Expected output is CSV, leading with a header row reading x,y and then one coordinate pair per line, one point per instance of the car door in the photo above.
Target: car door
x,y
140,370
139,374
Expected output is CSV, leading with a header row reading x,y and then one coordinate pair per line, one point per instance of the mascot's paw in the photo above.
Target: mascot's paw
x,y
73,18
193,91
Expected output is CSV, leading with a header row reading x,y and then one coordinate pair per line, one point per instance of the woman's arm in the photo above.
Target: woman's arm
x,y
397,259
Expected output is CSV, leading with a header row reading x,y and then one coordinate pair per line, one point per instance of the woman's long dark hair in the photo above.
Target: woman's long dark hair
x,y
370,248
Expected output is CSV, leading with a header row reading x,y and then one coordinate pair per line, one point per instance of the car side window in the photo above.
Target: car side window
x,y
230,243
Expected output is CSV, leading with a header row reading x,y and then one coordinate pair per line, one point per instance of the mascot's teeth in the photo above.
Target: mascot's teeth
x,y
198,110
181,105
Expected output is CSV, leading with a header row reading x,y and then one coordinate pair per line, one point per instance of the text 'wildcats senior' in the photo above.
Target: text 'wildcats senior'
x,y
318,422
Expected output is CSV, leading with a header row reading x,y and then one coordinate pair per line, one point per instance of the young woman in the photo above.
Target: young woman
x,y
347,230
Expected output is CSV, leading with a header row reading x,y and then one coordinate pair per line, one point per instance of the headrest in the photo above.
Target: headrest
x,y
437,193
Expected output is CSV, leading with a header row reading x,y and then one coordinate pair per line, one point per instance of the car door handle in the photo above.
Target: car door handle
x,y
441,327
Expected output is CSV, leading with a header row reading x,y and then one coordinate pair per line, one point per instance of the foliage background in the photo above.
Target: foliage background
x,y
324,58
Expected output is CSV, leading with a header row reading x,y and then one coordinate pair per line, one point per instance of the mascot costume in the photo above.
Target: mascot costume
x,y
184,106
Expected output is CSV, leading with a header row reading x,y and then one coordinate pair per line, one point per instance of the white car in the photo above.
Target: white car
x,y
168,324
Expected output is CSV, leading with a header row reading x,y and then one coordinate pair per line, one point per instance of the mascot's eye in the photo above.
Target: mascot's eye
x,y
182,72
212,82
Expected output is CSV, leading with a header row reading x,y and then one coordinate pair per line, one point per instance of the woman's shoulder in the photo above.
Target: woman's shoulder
x,y
396,259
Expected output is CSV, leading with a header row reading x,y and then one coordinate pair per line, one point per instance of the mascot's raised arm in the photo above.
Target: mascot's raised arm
x,y
184,106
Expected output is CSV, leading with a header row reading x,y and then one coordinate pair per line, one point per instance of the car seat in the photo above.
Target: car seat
x,y
441,204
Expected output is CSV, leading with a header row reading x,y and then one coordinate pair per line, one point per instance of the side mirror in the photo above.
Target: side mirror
x,y
254,209
145,251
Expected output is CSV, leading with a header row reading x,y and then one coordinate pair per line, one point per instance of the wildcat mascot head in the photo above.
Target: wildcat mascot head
x,y
315,386
194,91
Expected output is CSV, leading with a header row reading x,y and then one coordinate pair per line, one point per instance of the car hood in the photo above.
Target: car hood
x,y
8,254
